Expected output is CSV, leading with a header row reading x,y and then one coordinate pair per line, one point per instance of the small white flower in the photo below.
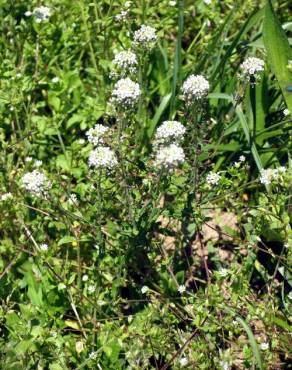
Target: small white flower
x,y
28,13
6,196
195,88
183,361
122,16
93,355
126,61
181,289
170,130
38,163
44,247
213,178
126,93
286,112
72,199
91,289
264,346
144,289
41,13
145,37
84,277
251,67
36,183
172,3
208,2
102,157
237,164
81,141
95,134
223,272
55,80
224,365
18,75
169,156
127,4
28,159
242,158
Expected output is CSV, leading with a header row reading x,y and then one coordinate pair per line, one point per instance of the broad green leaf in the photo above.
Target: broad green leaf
x,y
66,240
35,295
278,50
54,101
72,324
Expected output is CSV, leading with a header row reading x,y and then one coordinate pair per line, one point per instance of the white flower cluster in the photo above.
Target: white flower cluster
x,y
195,88
252,67
270,175
122,16
36,183
41,13
96,133
102,157
213,178
126,61
169,156
170,130
126,92
6,196
145,37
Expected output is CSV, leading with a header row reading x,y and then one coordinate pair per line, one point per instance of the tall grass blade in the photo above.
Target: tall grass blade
x,y
160,110
252,341
176,80
279,52
246,131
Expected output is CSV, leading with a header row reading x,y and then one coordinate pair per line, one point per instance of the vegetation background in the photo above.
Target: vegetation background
x,y
135,269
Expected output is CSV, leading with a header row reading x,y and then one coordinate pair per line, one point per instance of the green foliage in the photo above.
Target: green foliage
x,y
141,266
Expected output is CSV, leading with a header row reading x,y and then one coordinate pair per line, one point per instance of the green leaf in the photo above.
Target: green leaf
x,y
66,240
55,366
35,295
54,101
278,51
176,81
251,337
245,128
163,105
281,323
63,162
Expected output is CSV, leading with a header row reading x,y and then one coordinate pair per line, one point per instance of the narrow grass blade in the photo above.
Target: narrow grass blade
x,y
251,21
161,109
177,57
279,52
246,130
252,341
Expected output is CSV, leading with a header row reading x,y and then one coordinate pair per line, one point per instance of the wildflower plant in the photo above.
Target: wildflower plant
x,y
144,187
